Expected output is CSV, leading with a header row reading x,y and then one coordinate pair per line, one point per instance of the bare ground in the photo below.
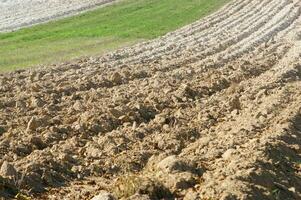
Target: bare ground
x,y
16,14
210,111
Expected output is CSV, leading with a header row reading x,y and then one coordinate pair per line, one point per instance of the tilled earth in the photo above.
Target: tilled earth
x,y
210,111
16,14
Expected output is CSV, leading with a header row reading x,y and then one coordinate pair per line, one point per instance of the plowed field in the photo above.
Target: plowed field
x,y
210,111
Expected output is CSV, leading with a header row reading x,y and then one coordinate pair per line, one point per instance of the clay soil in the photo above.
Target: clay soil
x,y
210,111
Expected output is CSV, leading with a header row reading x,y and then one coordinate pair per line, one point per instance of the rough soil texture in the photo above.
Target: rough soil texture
x,y
210,111
16,14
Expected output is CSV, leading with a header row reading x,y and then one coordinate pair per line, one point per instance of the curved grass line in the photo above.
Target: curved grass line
x,y
107,28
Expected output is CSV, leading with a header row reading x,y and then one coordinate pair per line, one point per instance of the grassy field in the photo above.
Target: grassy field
x,y
98,31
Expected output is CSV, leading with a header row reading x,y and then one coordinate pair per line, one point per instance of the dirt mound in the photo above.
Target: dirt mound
x,y
210,111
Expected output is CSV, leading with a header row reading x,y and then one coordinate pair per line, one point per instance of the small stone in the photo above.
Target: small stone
x,y
78,127
134,126
80,176
179,114
77,106
165,127
77,169
160,119
104,195
124,118
261,119
15,157
234,112
292,189
228,154
8,170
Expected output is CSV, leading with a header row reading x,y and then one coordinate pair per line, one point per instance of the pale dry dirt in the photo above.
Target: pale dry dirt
x,y
16,14
210,111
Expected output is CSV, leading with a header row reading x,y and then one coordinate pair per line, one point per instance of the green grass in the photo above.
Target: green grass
x,y
98,31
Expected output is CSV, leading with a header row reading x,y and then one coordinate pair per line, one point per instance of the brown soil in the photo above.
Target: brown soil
x,y
210,111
